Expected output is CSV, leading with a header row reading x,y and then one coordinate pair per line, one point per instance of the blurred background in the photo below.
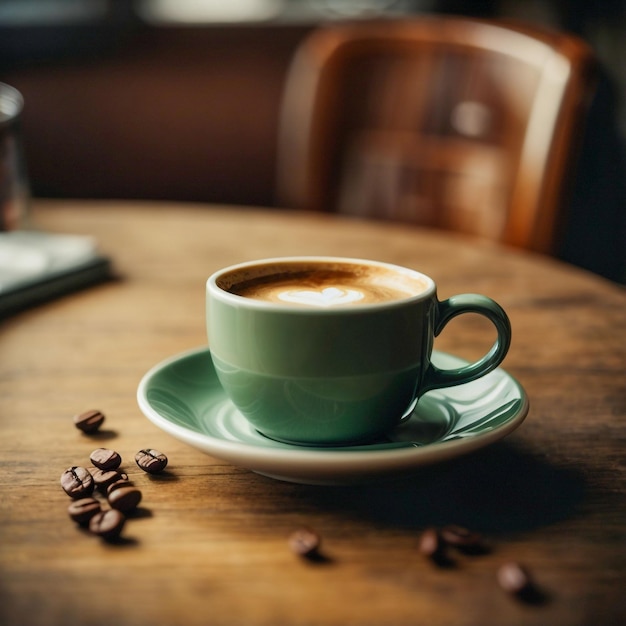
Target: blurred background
x,y
180,99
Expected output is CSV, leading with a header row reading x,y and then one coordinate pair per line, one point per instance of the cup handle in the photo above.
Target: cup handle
x,y
436,378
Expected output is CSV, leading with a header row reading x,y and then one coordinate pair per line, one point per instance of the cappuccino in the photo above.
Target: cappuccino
x,y
322,284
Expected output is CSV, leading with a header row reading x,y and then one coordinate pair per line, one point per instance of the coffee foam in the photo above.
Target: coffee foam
x,y
321,284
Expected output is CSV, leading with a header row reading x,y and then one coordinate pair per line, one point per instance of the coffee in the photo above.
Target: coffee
x,y
151,461
125,499
107,524
514,578
89,421
463,539
305,542
77,482
103,478
81,511
322,284
105,459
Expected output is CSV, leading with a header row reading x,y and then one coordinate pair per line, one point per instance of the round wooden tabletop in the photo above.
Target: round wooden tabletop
x,y
209,542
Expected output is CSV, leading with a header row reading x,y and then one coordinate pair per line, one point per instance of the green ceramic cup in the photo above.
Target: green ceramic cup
x,y
334,351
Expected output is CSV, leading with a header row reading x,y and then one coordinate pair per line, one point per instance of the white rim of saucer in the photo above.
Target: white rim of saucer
x,y
309,458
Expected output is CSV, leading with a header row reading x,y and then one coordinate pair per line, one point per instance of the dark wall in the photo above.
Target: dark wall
x,y
159,113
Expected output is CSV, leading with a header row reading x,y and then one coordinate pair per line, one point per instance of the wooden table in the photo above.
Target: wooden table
x,y
210,545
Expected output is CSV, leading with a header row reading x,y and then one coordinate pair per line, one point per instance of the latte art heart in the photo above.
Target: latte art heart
x,y
329,296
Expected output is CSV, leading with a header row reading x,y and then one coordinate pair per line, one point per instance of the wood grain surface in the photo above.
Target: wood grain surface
x,y
209,545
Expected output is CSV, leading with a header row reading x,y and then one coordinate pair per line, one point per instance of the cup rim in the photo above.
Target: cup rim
x,y
215,290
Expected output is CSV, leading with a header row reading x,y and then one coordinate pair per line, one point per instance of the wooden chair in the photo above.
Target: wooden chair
x,y
454,123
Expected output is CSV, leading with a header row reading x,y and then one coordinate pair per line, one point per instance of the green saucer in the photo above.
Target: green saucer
x,y
183,397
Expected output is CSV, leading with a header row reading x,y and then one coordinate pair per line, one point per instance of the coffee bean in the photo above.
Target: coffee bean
x,y
122,482
304,542
77,482
514,578
125,499
107,524
432,546
81,511
151,461
103,478
430,542
89,421
463,539
105,459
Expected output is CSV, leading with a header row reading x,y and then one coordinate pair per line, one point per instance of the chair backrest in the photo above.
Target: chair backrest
x,y
468,125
